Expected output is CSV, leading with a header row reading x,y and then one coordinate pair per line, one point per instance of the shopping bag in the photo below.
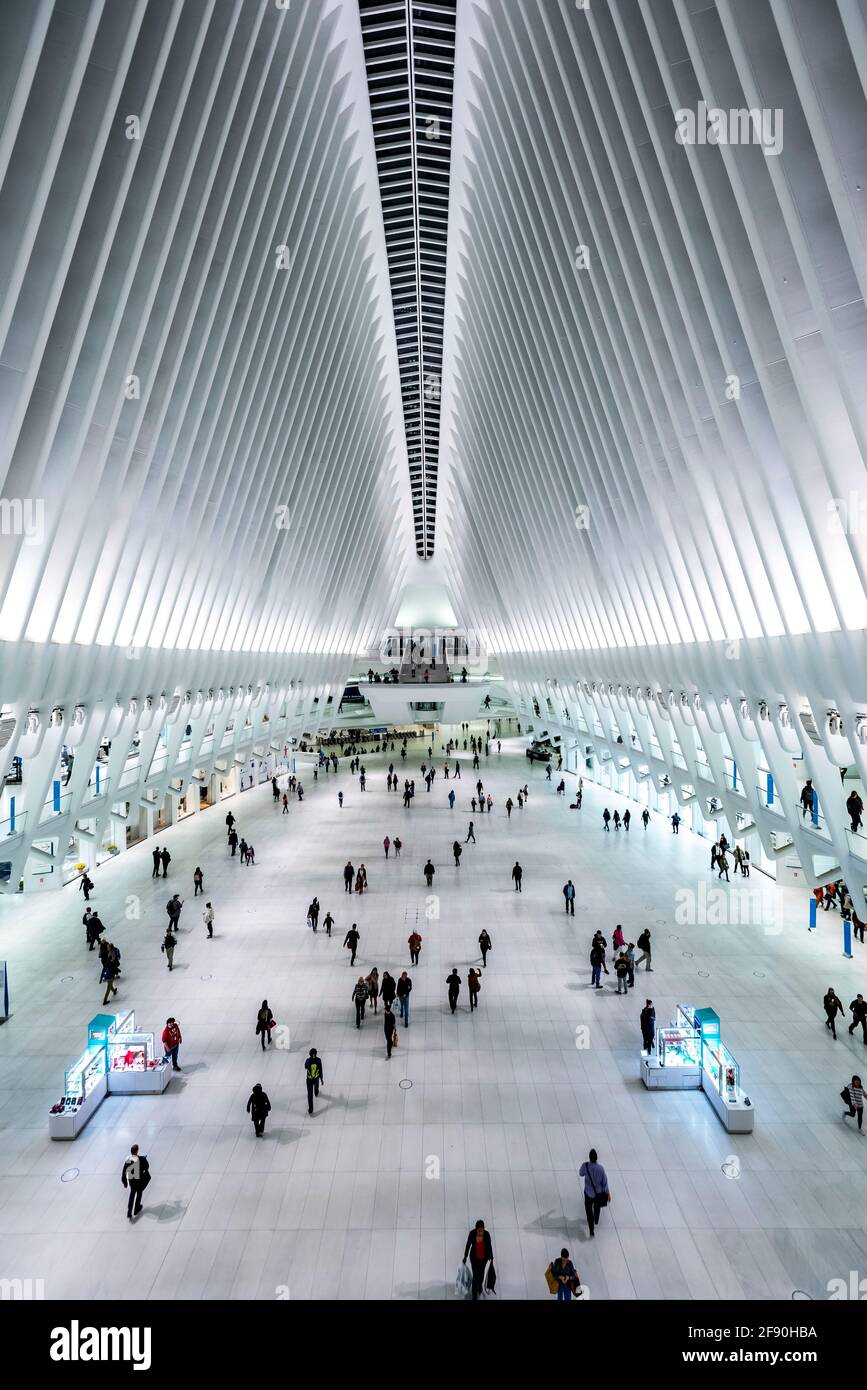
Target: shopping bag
x,y
553,1283
463,1281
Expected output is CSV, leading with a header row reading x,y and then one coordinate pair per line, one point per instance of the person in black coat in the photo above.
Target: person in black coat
x,y
648,1025
135,1175
832,1006
258,1107
156,858
858,1010
480,1253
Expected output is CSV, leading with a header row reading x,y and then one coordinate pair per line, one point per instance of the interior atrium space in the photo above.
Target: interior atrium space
x,y
433,595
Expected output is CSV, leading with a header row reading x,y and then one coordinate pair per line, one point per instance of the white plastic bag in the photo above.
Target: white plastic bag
x,y
463,1281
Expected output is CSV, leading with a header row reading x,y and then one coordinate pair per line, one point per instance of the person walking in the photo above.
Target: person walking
x,y
858,1010
643,944
361,879
165,860
340,800
509,804
315,1077
359,999
328,923
86,886
429,872
457,851
565,1276
110,970
722,864
832,1007
157,861
348,876
414,942
853,1096
596,1194
645,817
453,982
389,1028
616,820
387,989
471,835
168,947
386,845
398,844
569,896
264,1024
285,804
629,952
372,982
208,919
173,908
198,878
606,817
480,1252
313,912
135,1176
404,990
675,824
627,817
233,841
258,1107
351,940
647,1020
474,985
485,944
517,875
171,1041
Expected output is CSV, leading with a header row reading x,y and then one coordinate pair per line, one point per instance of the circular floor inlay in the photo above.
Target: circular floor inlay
x,y
672,937
688,954
660,921
405,1085
66,979
69,1175
759,974
799,1296
207,977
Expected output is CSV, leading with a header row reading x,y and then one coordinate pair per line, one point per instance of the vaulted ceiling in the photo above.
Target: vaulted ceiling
x,y
293,294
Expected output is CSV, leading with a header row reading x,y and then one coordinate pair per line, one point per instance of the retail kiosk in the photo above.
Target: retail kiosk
x,y
690,1054
120,1060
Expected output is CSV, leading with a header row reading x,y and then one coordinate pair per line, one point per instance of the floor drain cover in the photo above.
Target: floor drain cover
x,y
405,1085
70,1175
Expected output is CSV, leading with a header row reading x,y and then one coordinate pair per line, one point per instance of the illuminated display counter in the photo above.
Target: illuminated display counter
x,y
689,1054
120,1059
84,1088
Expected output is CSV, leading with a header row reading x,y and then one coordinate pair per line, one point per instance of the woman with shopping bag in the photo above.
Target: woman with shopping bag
x,y
480,1252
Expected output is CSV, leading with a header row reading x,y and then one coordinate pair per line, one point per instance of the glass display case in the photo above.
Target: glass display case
x,y
103,1027
81,1078
722,1068
84,1086
677,1047
721,1083
133,1065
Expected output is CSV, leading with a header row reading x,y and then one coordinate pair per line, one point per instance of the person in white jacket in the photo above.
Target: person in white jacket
x,y
208,918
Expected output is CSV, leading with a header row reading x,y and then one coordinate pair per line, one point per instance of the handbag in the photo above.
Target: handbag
x,y
463,1281
551,1280
846,1097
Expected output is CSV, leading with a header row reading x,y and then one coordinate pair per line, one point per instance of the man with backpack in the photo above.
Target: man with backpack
x,y
315,1077
135,1175
359,999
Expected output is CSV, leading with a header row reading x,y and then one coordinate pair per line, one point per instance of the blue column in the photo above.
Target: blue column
x,y
12,815
734,776
770,789
97,779
56,788
813,905
815,807
847,940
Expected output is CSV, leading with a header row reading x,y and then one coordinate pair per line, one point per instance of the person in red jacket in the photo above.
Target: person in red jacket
x,y
171,1041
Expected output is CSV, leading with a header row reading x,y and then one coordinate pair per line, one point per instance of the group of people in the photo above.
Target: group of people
x,y
624,962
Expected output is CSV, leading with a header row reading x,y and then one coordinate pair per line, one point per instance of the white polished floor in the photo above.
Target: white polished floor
x,y
372,1198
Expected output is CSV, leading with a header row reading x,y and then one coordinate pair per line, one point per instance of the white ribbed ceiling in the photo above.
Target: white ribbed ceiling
x,y
607,486
218,427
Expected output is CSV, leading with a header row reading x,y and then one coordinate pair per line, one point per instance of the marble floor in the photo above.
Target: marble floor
x,y
476,1115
